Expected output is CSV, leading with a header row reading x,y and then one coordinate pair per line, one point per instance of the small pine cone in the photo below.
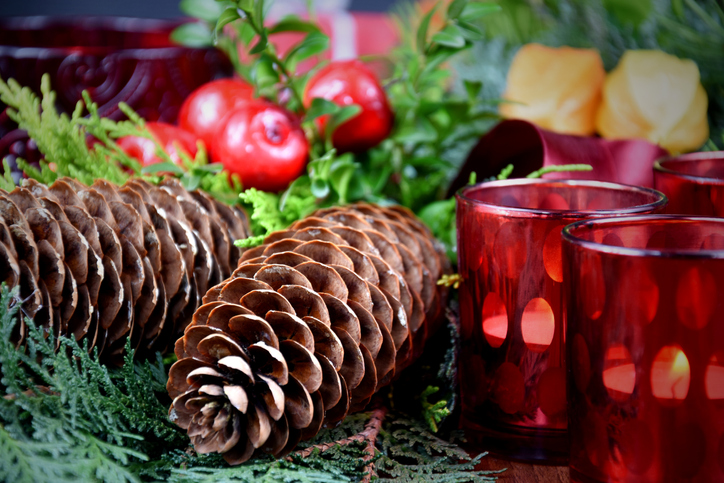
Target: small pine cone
x,y
106,263
310,325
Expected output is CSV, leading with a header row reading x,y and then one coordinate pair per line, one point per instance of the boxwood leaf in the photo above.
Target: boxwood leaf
x,y
193,34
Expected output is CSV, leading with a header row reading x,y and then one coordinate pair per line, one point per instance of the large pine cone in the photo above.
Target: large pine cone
x,y
106,263
308,327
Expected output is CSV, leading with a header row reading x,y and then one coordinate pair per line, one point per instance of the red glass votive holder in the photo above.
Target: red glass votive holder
x,y
645,337
694,183
512,365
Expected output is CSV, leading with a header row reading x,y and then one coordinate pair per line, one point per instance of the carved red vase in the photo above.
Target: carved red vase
x,y
114,58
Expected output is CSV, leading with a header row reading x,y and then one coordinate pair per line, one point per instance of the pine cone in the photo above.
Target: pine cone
x,y
106,263
309,326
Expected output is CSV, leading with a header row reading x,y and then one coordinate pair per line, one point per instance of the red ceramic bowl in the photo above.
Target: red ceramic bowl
x,y
114,58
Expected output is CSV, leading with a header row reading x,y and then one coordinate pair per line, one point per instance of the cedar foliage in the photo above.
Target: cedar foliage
x,y
69,418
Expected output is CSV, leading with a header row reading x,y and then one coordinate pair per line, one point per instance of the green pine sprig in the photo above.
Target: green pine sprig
x,y
61,138
66,417
64,142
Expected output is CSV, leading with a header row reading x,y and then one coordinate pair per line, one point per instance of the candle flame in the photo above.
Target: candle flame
x,y
681,364
670,375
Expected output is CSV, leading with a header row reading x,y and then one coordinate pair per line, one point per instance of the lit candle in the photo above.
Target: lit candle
x,y
619,374
714,381
670,374
620,378
538,325
495,329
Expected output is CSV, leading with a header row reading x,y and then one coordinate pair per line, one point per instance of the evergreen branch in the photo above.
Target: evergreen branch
x,y
505,172
559,168
66,417
452,280
368,436
60,138
66,145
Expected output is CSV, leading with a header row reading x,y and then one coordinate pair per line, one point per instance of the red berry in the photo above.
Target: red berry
x,y
203,110
144,149
262,143
351,82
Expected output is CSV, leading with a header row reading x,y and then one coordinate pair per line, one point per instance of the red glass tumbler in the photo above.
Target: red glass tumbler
x,y
694,183
645,335
512,366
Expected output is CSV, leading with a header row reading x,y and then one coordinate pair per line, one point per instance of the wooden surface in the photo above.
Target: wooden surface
x,y
523,472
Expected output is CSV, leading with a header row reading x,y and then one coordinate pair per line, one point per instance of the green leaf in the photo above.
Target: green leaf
x,y
422,131
193,34
631,12
245,5
341,116
473,88
265,74
260,45
456,8
162,167
321,107
293,23
476,10
345,114
226,17
340,176
211,168
245,32
259,14
192,182
314,43
422,30
208,10
320,188
450,36
470,31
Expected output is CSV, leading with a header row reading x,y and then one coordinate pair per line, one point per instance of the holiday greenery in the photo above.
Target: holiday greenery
x,y
67,417
432,132
64,142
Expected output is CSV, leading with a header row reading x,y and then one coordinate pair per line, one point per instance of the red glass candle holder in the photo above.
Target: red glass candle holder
x,y
694,183
645,335
512,372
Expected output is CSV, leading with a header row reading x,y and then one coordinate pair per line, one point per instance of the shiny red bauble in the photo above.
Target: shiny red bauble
x,y
168,136
203,111
351,82
262,143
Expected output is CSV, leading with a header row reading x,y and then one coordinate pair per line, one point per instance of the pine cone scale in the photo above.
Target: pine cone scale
x,y
102,263
347,295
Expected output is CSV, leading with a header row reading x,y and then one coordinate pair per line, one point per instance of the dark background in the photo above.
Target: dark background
x,y
130,8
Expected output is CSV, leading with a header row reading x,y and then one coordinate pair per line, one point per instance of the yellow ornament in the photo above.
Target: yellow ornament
x,y
558,89
655,96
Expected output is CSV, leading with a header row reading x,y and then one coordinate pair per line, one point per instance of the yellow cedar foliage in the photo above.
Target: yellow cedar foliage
x,y
655,96
558,89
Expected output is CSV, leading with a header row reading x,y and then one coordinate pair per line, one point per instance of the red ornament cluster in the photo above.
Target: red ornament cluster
x,y
261,142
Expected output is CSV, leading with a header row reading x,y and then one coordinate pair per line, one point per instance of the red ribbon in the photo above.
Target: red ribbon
x,y
529,147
